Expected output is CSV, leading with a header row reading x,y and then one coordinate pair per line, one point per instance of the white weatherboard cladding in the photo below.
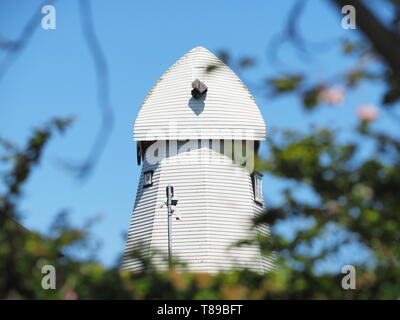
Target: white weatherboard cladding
x,y
227,112
216,204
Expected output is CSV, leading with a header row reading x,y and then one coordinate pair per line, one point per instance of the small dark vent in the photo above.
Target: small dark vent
x,y
199,89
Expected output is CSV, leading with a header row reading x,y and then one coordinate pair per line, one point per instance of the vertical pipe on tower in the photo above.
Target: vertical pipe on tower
x,y
170,194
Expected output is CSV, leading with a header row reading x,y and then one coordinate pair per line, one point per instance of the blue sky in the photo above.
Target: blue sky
x,y
54,76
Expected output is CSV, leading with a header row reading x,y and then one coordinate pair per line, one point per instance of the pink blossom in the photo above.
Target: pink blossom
x,y
367,112
333,96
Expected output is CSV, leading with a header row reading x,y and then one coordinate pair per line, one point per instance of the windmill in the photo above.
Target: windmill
x,y
197,132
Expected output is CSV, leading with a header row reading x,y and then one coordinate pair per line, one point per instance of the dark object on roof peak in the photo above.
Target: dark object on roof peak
x,y
199,89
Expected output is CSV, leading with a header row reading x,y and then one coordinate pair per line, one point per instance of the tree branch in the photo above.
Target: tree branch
x,y
385,41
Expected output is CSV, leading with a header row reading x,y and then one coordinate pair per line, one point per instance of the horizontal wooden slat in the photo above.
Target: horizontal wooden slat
x,y
229,109
216,203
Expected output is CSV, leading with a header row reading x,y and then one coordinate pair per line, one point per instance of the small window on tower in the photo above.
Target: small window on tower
x,y
148,179
257,187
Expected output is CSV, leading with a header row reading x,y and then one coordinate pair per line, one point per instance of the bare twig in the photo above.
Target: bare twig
x,y
385,41
103,92
14,48
290,34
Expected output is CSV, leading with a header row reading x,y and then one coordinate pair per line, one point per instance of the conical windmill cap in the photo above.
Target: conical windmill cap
x,y
226,111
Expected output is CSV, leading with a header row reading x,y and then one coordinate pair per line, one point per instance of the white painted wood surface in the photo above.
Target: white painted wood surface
x,y
216,204
215,194
228,112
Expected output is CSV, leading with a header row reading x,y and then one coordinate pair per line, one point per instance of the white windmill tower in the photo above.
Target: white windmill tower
x,y
195,114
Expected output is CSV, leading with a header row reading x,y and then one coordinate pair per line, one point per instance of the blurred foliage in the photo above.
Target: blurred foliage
x,y
355,191
284,84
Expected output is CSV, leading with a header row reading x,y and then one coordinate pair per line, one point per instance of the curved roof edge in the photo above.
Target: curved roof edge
x,y
228,110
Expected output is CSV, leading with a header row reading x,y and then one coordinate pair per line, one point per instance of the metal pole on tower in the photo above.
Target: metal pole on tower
x,y
170,194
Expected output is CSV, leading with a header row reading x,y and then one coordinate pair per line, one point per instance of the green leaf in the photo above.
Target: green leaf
x,y
285,84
